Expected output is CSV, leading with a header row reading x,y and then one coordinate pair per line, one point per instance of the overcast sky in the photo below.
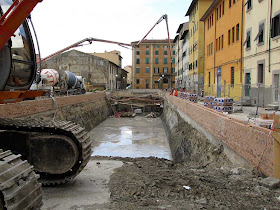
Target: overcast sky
x,y
60,23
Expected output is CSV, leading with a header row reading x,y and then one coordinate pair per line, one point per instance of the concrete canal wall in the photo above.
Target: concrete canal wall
x,y
197,132
87,110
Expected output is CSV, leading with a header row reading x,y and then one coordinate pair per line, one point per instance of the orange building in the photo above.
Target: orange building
x,y
151,65
223,49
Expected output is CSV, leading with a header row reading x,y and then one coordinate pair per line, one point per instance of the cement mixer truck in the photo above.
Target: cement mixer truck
x,y
60,82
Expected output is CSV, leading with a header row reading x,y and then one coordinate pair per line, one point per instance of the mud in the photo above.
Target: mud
x,y
152,183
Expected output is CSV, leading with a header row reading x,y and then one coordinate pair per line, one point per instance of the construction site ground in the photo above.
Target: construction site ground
x,y
110,182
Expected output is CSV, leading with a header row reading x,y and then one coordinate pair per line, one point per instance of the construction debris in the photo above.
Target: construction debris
x,y
151,115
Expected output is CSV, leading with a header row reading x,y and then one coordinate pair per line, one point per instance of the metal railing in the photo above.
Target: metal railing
x,y
244,94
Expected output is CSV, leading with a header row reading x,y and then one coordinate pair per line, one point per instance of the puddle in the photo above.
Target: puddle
x,y
130,137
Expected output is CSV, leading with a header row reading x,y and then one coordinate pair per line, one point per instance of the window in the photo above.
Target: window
x,y
233,34
165,46
165,70
217,13
137,52
216,45
165,60
209,78
222,42
137,70
174,53
260,35
220,11
249,4
172,70
237,32
229,3
147,52
137,81
147,46
229,37
137,60
248,40
219,43
275,26
147,60
156,46
232,77
223,8
196,64
173,60
156,52
156,70
261,73
212,48
147,70
156,60
233,1
165,52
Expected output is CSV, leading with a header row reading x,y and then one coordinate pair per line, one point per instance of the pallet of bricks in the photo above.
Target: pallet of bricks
x,y
209,101
224,105
188,96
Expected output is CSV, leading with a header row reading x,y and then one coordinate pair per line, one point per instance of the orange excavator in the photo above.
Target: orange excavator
x,y
58,151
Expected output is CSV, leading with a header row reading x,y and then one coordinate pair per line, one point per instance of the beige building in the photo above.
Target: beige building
x,y
113,56
262,51
129,74
182,58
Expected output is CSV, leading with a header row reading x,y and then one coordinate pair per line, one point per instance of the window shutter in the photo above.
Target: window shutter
x,y
272,27
246,40
257,37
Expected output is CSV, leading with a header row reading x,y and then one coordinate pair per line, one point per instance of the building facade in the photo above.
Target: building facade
x,y
223,49
262,50
152,67
196,43
113,56
182,58
99,73
129,74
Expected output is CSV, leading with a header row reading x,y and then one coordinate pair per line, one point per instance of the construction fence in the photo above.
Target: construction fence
x,y
244,94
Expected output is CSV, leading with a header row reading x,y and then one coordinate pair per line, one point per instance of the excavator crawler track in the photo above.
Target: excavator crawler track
x,y
18,183
75,136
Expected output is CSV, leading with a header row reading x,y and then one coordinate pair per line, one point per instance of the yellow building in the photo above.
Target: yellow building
x,y
196,43
223,49
151,65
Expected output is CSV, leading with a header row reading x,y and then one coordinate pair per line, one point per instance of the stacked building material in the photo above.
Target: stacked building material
x,y
209,101
223,105
188,96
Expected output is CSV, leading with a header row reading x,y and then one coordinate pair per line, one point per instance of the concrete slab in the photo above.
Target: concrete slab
x,y
130,137
88,190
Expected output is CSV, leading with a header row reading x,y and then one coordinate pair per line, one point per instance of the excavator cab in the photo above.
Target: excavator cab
x,y
17,57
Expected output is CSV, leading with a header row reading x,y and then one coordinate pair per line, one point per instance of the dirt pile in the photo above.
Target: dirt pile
x,y
152,183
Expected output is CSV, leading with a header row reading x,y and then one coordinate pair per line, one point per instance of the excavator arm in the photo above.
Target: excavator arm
x,y
14,17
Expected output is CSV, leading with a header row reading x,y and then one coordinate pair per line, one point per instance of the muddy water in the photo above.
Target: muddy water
x,y
130,137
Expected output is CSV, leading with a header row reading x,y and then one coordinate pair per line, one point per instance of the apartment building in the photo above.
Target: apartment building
x,y
262,50
223,48
152,67
182,58
196,43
